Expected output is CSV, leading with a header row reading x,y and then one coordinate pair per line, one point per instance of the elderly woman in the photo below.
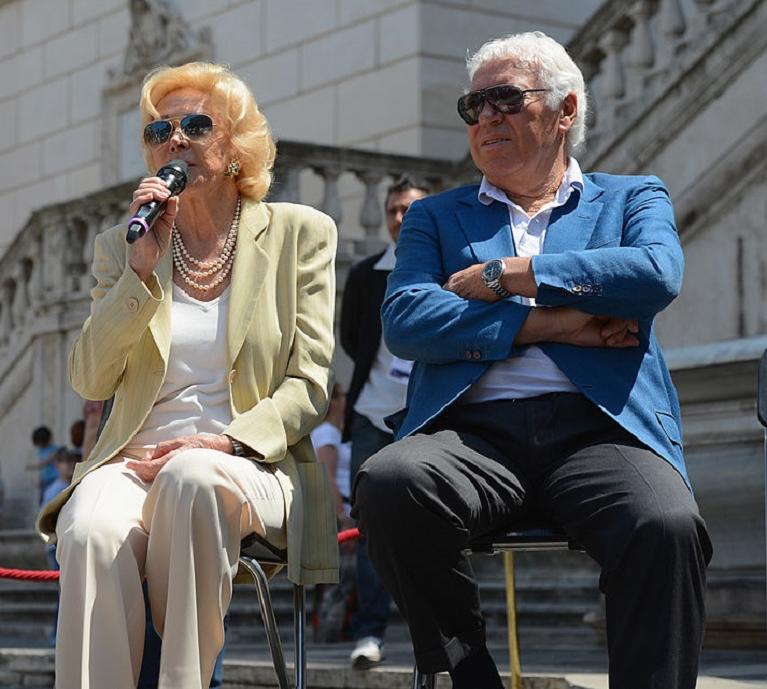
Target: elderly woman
x,y
213,333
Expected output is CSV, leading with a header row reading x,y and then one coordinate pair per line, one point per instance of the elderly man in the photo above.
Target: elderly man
x,y
539,388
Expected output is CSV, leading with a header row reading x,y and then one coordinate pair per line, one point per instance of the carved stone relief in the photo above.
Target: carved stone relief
x,y
158,35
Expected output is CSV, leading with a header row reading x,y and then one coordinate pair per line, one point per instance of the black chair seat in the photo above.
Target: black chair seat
x,y
525,536
260,549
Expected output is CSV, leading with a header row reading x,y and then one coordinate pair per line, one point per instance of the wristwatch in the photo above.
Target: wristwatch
x,y
491,277
238,448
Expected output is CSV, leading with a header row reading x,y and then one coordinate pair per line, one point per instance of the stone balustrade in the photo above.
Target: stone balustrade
x,y
373,171
47,268
632,51
48,265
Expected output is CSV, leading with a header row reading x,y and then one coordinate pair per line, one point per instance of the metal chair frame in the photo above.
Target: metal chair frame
x,y
255,552
528,537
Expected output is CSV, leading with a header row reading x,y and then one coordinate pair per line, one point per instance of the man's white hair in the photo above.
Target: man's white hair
x,y
548,60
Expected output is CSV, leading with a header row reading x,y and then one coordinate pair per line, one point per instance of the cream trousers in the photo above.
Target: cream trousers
x,y
182,532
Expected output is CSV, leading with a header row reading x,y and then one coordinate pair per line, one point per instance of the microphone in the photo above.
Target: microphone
x,y
174,175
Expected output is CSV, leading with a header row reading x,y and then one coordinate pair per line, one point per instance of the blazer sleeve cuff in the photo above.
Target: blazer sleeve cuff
x,y
262,430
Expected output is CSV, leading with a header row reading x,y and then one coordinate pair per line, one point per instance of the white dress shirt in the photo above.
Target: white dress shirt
x,y
530,373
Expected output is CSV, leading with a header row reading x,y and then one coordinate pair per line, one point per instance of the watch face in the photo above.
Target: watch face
x,y
493,270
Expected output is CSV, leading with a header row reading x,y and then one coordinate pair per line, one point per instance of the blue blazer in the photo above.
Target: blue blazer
x,y
612,249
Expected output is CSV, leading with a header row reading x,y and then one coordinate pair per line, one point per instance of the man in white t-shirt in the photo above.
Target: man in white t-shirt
x,y
378,388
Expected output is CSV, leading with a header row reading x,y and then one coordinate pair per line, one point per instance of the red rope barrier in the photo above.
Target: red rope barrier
x,y
348,535
28,574
48,575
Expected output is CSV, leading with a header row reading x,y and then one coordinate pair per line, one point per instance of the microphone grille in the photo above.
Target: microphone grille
x,y
179,166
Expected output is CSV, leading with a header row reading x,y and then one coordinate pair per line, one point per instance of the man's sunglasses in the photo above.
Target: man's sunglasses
x,y
194,126
506,99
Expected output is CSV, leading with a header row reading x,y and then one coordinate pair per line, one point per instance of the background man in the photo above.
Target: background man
x,y
377,389
520,403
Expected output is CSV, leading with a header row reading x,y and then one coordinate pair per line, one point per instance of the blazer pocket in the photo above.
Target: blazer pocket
x,y
670,427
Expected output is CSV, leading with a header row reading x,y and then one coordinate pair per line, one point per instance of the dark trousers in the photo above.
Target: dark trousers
x,y
479,468
373,600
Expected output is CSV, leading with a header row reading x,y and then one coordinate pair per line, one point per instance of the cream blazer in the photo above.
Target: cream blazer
x,y
280,344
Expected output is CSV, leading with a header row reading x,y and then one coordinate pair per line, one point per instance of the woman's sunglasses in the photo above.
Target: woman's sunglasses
x,y
194,126
506,99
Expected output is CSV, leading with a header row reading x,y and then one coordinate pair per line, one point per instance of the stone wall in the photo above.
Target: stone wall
x,y
381,75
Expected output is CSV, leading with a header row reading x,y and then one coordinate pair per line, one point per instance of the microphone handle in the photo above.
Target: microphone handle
x,y
145,217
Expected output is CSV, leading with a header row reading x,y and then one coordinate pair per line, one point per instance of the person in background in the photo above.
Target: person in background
x,y
64,462
378,387
334,603
76,438
334,453
46,450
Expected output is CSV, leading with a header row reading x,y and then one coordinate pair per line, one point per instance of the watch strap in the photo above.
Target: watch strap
x,y
238,449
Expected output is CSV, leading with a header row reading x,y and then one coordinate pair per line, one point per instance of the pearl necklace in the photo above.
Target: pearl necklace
x,y
193,269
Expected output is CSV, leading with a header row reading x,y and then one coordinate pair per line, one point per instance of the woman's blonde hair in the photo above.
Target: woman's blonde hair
x,y
251,136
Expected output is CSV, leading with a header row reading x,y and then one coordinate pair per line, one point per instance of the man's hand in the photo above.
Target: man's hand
x,y
517,279
571,326
468,284
154,460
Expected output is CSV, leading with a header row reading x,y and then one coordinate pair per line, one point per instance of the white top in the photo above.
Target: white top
x,y
531,373
328,434
194,397
386,387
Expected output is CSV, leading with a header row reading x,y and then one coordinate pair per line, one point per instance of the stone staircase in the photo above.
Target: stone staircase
x,y
554,592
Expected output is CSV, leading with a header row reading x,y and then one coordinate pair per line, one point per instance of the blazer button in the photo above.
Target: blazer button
x,y
468,354
577,289
476,354
132,304
586,289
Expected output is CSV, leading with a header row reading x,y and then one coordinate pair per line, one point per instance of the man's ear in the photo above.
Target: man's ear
x,y
568,112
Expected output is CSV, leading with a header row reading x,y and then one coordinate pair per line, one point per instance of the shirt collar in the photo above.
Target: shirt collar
x,y
387,261
572,179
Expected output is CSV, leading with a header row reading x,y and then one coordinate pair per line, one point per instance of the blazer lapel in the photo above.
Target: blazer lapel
x,y
487,228
571,226
251,263
159,325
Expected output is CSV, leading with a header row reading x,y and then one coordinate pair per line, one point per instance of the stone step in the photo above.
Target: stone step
x,y
32,611
554,591
22,668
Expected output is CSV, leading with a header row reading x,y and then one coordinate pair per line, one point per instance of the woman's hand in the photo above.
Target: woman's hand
x,y
154,460
146,252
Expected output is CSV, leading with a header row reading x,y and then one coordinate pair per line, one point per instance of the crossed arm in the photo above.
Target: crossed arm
x,y
433,316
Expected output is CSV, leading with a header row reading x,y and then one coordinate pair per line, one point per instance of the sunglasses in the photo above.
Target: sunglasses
x,y
194,126
506,99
